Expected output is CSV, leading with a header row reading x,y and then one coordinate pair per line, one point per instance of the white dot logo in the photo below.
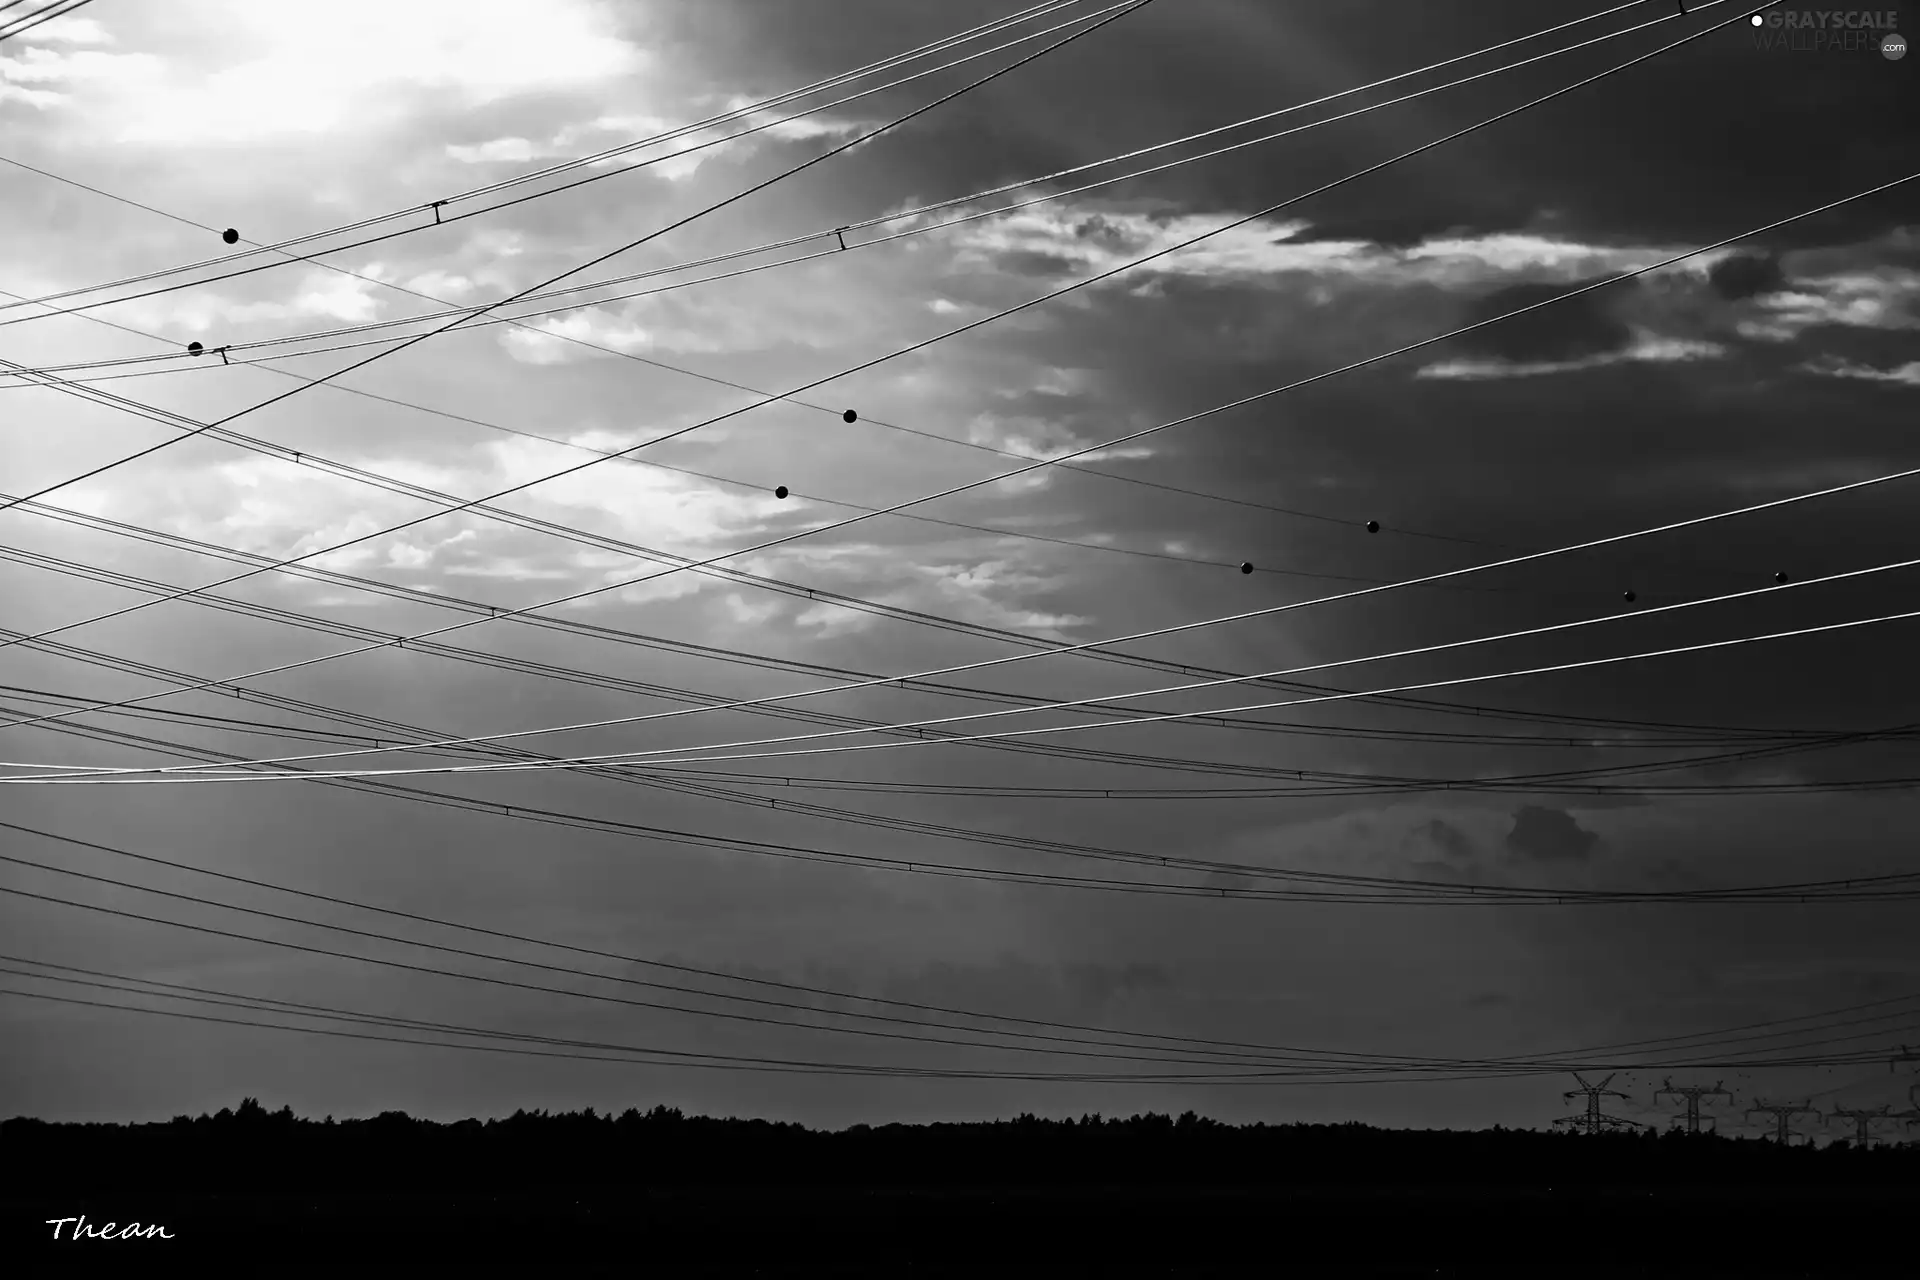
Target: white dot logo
x,y
1894,47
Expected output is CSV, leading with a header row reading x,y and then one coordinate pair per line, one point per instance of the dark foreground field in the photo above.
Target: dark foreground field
x,y
660,1193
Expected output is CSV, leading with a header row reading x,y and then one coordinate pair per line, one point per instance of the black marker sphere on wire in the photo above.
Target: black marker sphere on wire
x,y
1247,567
1628,596
850,416
194,348
230,236
780,492
1781,577
1373,526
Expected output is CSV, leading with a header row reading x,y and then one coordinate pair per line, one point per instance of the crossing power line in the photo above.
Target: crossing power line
x,y
838,233
965,328
1440,577
436,208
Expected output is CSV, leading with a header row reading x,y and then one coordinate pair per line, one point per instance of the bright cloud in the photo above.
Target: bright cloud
x,y
298,69
1646,348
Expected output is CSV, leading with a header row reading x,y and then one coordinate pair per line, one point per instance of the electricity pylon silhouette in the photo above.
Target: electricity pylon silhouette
x,y
1893,1064
1783,1114
1861,1120
1593,1120
1693,1093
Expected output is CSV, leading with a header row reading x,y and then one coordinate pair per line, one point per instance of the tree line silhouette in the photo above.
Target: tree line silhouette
x,y
254,1149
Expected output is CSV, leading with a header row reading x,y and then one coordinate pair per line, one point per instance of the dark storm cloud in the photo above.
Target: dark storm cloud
x,y
1449,839
1549,835
1693,145
1583,326
1746,275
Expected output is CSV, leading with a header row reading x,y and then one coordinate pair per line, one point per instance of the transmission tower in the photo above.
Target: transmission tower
x,y
1912,1114
1593,1120
1693,1093
1861,1120
1783,1114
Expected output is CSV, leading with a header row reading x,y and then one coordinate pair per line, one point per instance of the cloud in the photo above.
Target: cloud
x,y
46,78
1576,329
314,76
1037,437
1746,275
65,30
1549,835
324,294
1884,298
1644,348
1447,838
1074,238
515,150
1906,375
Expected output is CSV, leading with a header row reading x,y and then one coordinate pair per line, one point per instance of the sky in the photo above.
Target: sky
x,y
1786,364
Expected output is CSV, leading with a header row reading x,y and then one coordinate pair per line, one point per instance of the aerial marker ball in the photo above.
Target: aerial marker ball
x,y
1628,596
1247,567
230,236
781,492
850,416
1781,577
1373,526
194,348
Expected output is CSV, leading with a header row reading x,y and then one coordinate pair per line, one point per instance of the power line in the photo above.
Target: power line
x,y
1448,575
1188,1042
634,757
1342,1074
770,662
954,332
437,207
736,1064
1335,888
174,354
1358,1062
320,462
1180,1041
276,729
1793,744
27,21
1346,887
1118,9
1263,706
1209,1056
75,386
1130,7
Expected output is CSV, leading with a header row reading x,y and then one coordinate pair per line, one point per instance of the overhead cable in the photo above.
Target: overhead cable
x,y
1081,452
